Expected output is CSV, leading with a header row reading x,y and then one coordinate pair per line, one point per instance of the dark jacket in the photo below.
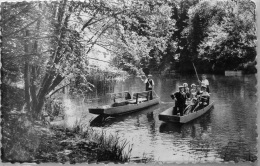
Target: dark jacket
x,y
148,83
187,94
181,98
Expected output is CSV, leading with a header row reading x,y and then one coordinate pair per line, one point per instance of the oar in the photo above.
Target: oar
x,y
185,110
196,106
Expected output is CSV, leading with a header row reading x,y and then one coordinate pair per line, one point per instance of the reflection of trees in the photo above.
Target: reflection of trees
x,y
151,121
199,132
241,119
237,151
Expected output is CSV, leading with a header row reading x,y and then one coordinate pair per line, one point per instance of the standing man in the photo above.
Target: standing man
x,y
149,84
180,99
205,82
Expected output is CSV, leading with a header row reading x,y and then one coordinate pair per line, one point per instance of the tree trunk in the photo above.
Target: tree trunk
x,y
51,78
27,75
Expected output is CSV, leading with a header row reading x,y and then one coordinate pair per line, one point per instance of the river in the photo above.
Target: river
x,y
226,133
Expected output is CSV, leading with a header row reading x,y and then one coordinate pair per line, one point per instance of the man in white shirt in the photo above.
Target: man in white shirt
x,y
205,82
149,84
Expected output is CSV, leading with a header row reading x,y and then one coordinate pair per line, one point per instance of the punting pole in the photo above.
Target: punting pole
x,y
195,71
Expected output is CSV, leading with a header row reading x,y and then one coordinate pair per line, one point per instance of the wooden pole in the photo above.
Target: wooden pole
x,y
196,71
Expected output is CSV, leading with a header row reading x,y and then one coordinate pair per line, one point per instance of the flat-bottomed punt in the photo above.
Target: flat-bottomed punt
x,y
167,115
139,101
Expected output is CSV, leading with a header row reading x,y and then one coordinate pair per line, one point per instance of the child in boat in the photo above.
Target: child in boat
x,y
193,91
202,99
193,99
180,99
187,94
198,93
186,90
205,82
196,98
204,96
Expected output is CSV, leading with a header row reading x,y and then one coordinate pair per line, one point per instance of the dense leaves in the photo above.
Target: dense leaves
x,y
221,34
48,44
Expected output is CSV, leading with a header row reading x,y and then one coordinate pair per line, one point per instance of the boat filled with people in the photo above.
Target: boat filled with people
x,y
189,104
124,103
168,115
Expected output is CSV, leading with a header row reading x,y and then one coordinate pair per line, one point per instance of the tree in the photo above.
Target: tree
x,y
219,34
50,41
148,27
230,40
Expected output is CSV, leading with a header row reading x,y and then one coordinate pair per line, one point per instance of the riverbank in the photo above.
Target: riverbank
x,y
226,134
77,146
39,142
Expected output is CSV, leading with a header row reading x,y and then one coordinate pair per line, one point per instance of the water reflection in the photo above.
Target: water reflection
x,y
237,151
230,125
151,121
170,128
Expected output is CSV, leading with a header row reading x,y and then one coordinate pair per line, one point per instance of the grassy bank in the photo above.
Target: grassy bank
x,y
60,144
77,146
26,141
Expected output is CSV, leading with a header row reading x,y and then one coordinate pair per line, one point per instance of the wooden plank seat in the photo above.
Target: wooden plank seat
x,y
122,95
122,103
140,97
126,98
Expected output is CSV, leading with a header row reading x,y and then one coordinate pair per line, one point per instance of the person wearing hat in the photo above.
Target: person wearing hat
x,y
205,82
149,84
180,99
185,85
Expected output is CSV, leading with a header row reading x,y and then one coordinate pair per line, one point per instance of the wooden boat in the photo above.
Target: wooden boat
x,y
167,115
139,101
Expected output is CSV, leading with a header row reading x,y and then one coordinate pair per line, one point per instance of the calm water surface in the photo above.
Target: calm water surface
x,y
227,132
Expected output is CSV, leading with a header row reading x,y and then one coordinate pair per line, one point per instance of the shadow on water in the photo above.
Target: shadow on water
x,y
170,127
105,121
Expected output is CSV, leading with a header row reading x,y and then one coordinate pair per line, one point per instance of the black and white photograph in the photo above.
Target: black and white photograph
x,y
129,82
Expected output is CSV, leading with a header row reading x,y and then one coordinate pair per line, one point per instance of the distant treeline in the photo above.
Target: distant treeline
x,y
215,35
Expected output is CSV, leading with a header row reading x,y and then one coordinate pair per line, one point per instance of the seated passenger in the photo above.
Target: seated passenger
x,y
198,93
204,96
187,91
193,91
186,87
205,82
